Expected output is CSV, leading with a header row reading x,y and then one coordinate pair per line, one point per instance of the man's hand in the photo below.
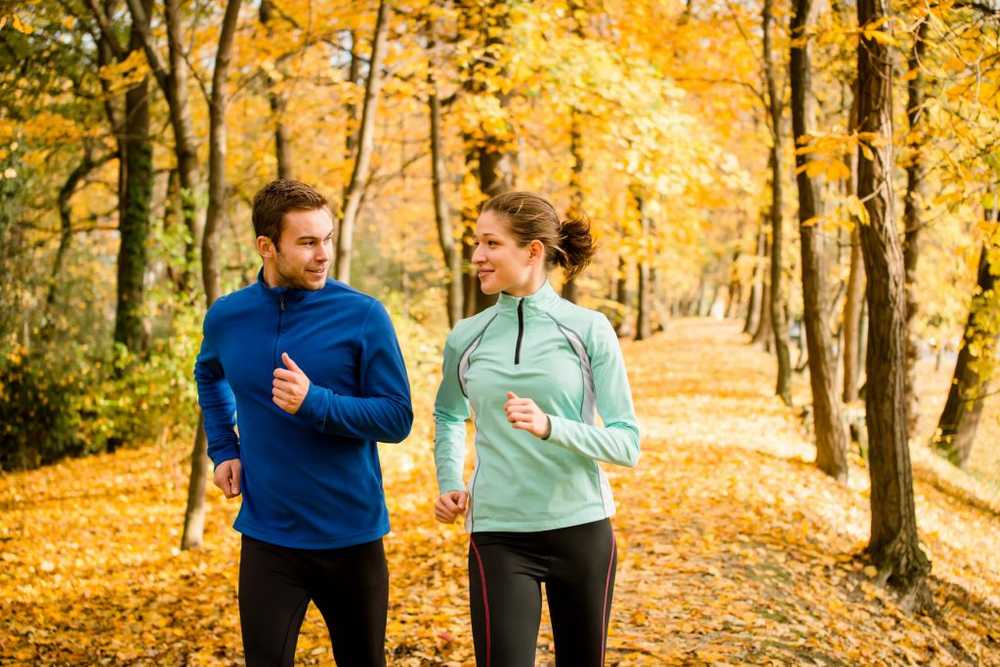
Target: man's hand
x,y
449,505
290,386
524,414
227,477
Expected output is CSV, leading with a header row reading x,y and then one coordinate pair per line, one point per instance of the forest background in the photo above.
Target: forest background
x,y
826,175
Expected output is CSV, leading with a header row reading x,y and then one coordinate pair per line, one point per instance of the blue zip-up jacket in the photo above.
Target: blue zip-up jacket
x,y
311,480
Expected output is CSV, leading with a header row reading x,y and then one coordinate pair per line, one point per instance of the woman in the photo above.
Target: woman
x,y
533,367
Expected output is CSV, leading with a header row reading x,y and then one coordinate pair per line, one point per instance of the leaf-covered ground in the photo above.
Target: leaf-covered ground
x,y
733,548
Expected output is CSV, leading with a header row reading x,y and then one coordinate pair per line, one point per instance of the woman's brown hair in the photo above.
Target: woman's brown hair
x,y
568,243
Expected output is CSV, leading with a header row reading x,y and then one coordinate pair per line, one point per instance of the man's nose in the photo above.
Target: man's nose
x,y
322,252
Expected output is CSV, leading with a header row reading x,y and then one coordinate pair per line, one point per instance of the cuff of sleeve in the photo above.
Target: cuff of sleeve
x,y
224,452
312,405
450,484
557,428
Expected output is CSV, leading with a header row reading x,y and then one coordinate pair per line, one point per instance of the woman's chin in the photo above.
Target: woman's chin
x,y
488,287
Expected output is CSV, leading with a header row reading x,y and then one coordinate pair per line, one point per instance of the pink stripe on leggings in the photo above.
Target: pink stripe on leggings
x,y
604,608
486,600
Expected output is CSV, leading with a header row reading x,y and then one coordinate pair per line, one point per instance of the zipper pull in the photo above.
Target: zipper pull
x,y
281,300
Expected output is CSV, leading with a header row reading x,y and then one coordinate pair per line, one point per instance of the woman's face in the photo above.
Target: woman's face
x,y
502,264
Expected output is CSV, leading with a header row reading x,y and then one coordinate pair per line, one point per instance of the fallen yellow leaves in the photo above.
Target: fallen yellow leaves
x,y
733,548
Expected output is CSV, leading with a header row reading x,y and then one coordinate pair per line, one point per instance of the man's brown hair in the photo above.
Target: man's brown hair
x,y
277,198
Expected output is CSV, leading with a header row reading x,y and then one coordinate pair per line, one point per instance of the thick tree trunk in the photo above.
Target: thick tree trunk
x,y
893,545
913,203
831,437
490,157
959,421
282,142
776,302
136,165
355,190
194,520
174,85
450,251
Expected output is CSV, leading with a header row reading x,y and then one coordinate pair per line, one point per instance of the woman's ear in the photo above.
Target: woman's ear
x,y
536,251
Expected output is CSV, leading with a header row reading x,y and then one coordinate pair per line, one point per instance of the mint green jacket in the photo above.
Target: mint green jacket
x,y
567,359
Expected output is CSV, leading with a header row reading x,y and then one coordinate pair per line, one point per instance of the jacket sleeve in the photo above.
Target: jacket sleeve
x,y
216,398
617,441
383,411
451,410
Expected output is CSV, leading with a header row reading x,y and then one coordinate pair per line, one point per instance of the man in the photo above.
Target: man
x,y
311,372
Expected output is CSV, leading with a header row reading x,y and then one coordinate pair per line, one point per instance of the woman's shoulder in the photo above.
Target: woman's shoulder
x,y
466,330
587,323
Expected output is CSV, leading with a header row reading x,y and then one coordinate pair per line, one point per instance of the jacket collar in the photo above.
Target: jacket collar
x,y
543,299
288,294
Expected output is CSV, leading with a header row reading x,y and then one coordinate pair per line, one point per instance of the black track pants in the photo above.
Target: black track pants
x,y
506,571
350,586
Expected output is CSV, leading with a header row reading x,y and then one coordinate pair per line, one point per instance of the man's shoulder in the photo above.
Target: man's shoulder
x,y
346,296
234,301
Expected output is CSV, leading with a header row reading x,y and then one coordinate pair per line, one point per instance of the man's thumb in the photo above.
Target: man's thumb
x,y
289,363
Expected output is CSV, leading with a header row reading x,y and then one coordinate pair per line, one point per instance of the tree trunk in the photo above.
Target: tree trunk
x,y
831,437
569,289
174,85
734,299
136,165
623,298
959,421
853,303
764,333
893,545
643,327
87,164
855,291
194,514
446,236
913,203
282,142
352,200
210,271
756,281
776,302
490,156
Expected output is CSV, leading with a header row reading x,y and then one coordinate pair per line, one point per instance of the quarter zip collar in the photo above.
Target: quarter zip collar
x,y
543,299
283,295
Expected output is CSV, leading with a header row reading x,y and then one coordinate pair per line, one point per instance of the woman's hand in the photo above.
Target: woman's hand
x,y
524,414
449,505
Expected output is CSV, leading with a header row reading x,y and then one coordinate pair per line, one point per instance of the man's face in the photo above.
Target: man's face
x,y
302,257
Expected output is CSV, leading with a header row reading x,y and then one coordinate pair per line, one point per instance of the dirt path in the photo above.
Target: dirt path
x,y
733,548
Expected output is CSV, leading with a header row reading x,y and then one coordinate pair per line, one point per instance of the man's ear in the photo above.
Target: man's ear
x,y
265,247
